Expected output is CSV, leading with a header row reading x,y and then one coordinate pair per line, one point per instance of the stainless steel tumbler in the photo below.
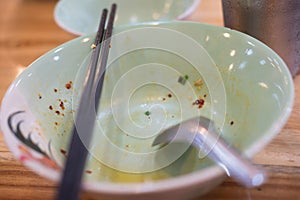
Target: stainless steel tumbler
x,y
274,22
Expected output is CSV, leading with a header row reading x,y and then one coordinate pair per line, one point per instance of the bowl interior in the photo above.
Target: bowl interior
x,y
142,95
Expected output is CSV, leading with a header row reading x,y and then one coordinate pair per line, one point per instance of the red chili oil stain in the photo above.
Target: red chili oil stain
x,y
50,107
231,123
170,95
55,90
68,85
64,152
88,171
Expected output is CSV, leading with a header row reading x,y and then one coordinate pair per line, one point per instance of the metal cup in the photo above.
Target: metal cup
x,y
274,22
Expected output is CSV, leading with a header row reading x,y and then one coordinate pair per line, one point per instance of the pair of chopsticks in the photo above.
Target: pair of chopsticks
x,y
70,184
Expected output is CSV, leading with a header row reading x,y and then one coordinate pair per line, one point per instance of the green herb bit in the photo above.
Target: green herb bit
x,y
147,113
181,80
186,77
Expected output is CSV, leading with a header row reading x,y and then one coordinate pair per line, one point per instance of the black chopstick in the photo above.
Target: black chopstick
x,y
104,53
70,184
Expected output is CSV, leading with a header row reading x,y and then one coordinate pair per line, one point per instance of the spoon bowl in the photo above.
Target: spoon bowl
x,y
202,133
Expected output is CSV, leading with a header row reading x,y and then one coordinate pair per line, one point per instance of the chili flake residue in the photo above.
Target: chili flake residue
x,y
231,123
199,103
55,90
168,95
61,105
40,96
50,107
57,112
64,152
69,85
88,171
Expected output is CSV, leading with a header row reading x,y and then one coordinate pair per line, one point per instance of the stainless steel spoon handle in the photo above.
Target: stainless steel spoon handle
x,y
236,166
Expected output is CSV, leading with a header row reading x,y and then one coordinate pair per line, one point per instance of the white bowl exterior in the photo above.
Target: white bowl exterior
x,y
80,17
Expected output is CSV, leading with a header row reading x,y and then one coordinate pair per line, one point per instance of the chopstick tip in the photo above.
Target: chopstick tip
x,y
113,7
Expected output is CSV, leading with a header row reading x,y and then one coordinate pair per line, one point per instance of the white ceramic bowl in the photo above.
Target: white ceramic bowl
x,y
246,86
82,17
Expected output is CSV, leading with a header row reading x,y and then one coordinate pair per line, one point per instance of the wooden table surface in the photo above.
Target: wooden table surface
x,y
28,30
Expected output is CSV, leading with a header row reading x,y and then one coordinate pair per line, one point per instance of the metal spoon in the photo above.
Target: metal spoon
x,y
202,133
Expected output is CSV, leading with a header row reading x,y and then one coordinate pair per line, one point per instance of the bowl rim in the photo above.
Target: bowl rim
x,y
64,25
191,179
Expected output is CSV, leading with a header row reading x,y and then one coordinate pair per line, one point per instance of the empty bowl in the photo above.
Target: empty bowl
x,y
158,75
82,17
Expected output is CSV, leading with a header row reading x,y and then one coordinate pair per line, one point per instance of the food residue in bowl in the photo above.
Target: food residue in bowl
x,y
61,105
198,84
68,85
64,152
182,79
199,102
147,113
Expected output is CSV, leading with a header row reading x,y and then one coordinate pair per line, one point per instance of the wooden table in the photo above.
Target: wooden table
x,y
28,30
